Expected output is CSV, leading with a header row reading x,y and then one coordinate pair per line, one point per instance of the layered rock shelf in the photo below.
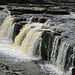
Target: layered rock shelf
x,y
40,9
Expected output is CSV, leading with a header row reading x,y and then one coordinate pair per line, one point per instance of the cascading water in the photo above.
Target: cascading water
x,y
58,55
54,50
60,52
27,44
61,59
29,38
4,28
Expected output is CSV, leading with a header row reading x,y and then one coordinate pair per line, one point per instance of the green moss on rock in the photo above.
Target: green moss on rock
x,y
47,42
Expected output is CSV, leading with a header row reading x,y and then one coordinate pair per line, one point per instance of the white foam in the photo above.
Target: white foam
x,y
51,68
15,52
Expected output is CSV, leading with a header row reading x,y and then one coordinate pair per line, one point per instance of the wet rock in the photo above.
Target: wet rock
x,y
58,11
28,10
14,74
34,19
74,63
8,1
8,73
18,19
19,23
3,15
47,43
17,28
35,1
44,47
73,71
68,59
4,67
1,8
42,20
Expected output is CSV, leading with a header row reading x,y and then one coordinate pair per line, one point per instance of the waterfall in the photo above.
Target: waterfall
x,y
10,31
31,42
29,38
19,38
61,59
26,43
4,28
54,50
59,52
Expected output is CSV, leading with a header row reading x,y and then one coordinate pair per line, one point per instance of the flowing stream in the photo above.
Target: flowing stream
x,y
25,42
28,42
